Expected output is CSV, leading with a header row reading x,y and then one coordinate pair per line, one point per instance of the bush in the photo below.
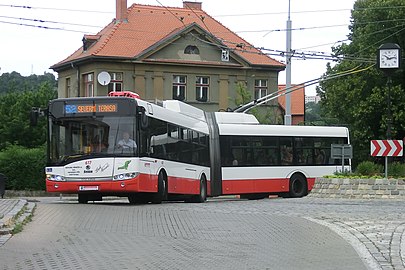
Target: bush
x,y
396,169
369,168
23,167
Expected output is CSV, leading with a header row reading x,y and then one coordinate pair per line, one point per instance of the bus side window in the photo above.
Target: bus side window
x,y
320,156
286,155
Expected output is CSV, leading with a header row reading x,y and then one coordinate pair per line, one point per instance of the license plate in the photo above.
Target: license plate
x,y
88,188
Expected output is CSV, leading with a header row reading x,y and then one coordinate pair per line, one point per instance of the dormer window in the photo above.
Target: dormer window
x,y
191,49
89,40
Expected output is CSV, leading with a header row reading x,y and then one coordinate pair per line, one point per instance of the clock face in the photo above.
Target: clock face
x,y
389,58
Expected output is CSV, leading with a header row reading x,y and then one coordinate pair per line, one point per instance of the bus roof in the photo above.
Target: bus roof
x,y
281,130
235,118
178,113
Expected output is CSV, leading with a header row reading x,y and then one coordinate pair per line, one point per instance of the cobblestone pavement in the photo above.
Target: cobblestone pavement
x,y
306,233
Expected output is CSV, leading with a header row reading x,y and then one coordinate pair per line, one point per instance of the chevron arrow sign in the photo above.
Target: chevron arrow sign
x,y
387,148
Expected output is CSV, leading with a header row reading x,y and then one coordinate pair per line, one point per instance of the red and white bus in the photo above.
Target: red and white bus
x,y
179,152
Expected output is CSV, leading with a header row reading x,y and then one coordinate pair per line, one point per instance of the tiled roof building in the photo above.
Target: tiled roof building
x,y
165,53
297,101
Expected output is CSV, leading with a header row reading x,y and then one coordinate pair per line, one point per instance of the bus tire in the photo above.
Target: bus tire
x,y
137,198
83,198
202,196
162,189
259,196
298,186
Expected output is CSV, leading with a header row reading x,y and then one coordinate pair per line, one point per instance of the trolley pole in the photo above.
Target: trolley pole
x,y
287,117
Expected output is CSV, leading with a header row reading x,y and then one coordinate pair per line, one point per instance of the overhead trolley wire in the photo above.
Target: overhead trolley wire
x,y
248,106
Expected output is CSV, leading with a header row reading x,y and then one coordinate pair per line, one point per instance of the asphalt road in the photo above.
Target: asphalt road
x,y
223,233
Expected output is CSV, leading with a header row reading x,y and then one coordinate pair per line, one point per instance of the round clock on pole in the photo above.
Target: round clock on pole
x,y
389,57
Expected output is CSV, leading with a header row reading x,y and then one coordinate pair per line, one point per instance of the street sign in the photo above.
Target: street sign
x,y
387,148
341,151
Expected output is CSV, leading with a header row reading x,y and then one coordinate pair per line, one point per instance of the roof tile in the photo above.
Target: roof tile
x,y
148,25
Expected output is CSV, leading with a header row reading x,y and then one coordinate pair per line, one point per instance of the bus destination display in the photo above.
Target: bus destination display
x,y
91,108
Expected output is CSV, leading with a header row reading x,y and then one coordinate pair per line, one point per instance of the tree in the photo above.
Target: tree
x,y
312,112
15,126
265,114
359,100
15,82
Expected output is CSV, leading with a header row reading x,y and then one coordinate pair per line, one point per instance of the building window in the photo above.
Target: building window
x,y
179,87
67,87
202,88
88,80
116,82
260,88
191,49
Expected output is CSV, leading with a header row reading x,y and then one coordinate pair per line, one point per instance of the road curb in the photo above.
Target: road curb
x,y
19,213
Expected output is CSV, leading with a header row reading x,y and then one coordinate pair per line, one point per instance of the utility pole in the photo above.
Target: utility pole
x,y
287,117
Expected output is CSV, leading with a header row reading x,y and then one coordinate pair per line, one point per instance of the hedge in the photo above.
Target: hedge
x,y
23,167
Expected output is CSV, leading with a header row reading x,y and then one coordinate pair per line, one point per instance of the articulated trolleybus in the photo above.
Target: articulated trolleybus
x,y
123,146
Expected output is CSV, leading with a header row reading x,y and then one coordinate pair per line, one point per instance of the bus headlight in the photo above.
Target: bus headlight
x,y
55,177
125,176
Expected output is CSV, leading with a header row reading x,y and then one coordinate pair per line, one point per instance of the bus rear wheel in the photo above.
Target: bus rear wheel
x,y
298,186
258,196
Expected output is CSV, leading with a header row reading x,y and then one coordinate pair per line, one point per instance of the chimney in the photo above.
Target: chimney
x,y
121,11
192,5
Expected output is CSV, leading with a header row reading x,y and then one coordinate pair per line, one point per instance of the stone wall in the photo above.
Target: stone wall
x,y
359,188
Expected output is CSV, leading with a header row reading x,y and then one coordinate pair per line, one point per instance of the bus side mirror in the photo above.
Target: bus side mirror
x,y
34,114
143,118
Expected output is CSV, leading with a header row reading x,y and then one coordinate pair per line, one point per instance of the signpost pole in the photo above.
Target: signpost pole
x,y
343,158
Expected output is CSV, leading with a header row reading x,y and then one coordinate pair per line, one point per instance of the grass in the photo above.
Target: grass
x,y
19,222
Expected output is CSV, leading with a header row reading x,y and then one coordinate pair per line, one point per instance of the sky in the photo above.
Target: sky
x,y
35,34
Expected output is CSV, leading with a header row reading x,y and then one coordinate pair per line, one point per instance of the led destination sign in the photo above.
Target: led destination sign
x,y
91,108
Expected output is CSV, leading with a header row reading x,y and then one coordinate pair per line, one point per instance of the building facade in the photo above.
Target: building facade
x,y
168,53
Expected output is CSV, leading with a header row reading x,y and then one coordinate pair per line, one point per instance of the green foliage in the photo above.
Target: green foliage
x,y
368,168
359,100
396,169
265,114
23,167
242,95
312,112
14,117
22,150
14,82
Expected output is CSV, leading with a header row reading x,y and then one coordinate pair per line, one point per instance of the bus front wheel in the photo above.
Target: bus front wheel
x,y
83,198
138,198
202,196
298,186
162,189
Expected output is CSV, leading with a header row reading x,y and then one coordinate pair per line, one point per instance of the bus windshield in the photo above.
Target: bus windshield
x,y
75,138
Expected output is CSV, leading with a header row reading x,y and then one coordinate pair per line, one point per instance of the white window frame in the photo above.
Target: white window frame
x,y
88,80
179,87
202,84
68,87
116,83
261,88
